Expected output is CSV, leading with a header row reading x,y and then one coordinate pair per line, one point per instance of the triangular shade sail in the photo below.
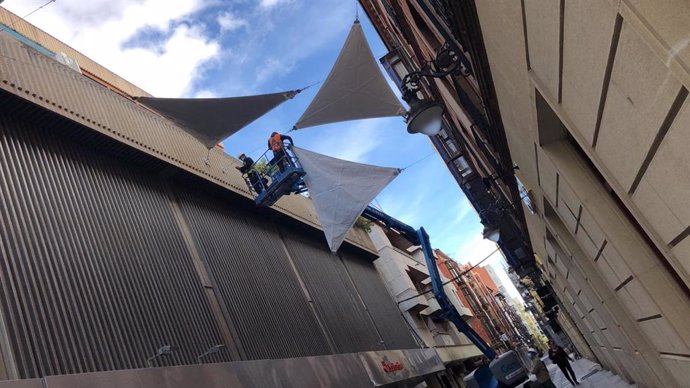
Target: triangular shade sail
x,y
210,120
355,88
341,190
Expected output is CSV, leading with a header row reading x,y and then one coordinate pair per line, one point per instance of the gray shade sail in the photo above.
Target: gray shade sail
x,y
341,190
210,120
355,88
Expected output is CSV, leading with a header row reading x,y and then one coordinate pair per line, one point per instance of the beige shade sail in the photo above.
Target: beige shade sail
x,y
355,88
210,120
340,190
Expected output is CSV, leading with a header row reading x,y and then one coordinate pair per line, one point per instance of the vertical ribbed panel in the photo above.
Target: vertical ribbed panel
x,y
251,269
95,274
382,308
336,300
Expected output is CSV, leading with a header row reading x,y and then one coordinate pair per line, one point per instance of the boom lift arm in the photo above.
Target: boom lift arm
x,y
421,238
503,371
284,176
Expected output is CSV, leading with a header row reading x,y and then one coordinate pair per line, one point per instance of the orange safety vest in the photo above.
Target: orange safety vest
x,y
276,142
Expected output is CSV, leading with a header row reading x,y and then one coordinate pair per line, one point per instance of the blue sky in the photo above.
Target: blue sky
x,y
208,48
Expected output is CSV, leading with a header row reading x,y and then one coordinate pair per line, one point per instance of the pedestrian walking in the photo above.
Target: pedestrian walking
x,y
539,369
562,360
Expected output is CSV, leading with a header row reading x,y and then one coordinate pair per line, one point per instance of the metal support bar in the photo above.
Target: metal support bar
x,y
449,310
420,237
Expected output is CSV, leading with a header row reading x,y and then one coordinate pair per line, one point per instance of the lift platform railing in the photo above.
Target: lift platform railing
x,y
274,175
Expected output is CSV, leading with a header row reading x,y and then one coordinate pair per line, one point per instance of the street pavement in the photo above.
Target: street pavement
x,y
589,374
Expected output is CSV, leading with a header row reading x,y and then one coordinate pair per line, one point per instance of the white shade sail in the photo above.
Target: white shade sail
x,y
355,88
341,190
210,120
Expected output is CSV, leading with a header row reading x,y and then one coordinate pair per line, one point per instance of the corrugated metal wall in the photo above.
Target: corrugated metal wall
x,y
97,271
95,275
247,260
385,313
335,297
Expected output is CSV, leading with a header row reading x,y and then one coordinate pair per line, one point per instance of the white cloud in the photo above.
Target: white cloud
x,y
229,22
464,208
168,73
271,69
205,93
476,249
267,4
352,141
99,29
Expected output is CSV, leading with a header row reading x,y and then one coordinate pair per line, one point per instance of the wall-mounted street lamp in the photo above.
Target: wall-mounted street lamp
x,y
491,217
212,350
491,233
426,117
162,351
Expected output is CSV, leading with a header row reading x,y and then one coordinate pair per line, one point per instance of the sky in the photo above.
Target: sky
x,y
224,48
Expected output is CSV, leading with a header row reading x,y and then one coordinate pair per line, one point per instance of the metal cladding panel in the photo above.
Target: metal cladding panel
x,y
252,271
94,272
28,383
383,309
337,302
341,370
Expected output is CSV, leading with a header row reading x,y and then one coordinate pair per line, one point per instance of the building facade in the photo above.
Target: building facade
x,y
479,319
589,99
403,270
493,318
121,248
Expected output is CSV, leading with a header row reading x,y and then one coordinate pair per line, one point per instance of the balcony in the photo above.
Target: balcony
x,y
417,304
434,309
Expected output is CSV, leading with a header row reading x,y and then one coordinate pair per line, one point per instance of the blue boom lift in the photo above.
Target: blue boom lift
x,y
503,371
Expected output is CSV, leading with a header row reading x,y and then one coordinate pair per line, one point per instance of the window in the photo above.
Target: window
x,y
462,166
525,196
395,67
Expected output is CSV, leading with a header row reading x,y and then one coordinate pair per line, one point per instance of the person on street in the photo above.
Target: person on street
x,y
561,358
275,144
539,369
247,168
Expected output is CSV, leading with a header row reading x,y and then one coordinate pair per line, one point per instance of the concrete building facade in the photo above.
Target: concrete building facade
x,y
403,270
591,98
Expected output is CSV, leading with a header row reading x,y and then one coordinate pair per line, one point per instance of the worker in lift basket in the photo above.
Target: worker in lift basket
x,y
539,369
275,144
255,179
